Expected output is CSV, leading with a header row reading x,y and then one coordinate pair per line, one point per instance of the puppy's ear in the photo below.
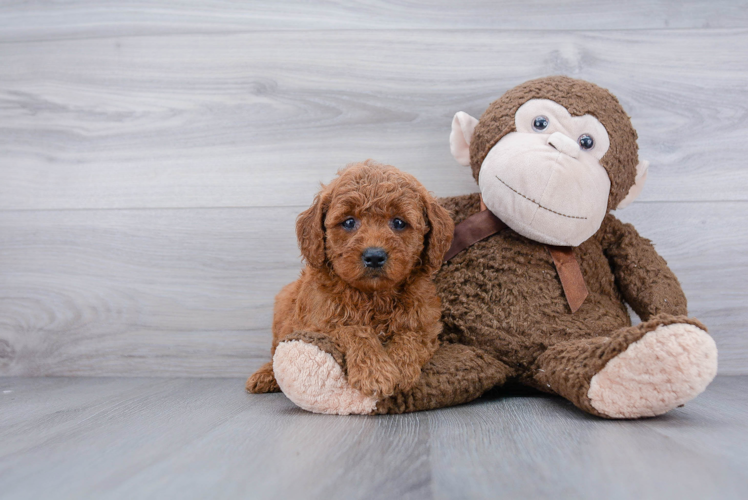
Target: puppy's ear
x,y
310,229
439,237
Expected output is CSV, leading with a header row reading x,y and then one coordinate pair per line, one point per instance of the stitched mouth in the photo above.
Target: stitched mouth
x,y
538,204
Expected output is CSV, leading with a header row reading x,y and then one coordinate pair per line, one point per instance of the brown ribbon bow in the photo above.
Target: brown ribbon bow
x,y
480,226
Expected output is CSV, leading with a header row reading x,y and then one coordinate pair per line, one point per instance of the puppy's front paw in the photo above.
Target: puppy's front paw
x,y
377,380
409,376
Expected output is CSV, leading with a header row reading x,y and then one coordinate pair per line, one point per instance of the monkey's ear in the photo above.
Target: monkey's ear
x,y
310,229
641,178
463,126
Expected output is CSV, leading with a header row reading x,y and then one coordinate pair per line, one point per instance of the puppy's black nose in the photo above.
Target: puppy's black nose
x,y
374,257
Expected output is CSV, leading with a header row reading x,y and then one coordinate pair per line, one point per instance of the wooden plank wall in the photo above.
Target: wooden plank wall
x,y
153,157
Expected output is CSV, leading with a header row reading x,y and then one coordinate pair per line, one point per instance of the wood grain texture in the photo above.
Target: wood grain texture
x,y
206,438
153,157
24,21
158,291
545,448
189,292
259,118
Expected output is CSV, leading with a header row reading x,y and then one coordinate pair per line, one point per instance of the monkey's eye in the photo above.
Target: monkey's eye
x,y
540,123
586,142
349,224
398,224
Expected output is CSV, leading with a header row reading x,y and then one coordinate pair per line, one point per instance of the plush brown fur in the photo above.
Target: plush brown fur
x,y
512,308
382,325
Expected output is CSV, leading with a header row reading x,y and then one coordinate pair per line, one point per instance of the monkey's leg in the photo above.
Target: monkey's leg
x,y
311,371
638,371
455,374
263,380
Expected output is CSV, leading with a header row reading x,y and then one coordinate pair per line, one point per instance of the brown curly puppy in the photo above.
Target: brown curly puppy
x,y
372,240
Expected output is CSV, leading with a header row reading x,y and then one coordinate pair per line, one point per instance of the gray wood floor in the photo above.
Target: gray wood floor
x,y
205,438
153,156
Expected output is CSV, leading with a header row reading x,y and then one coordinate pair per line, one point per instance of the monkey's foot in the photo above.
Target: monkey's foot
x,y
664,369
314,381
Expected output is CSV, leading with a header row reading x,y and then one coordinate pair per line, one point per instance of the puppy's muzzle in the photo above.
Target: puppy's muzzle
x,y
374,257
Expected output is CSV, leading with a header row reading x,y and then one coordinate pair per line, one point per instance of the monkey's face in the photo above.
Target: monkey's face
x,y
545,180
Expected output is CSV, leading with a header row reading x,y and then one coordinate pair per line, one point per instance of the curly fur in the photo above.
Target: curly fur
x,y
384,322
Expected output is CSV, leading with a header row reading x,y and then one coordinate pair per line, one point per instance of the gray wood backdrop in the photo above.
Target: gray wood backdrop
x,y
153,157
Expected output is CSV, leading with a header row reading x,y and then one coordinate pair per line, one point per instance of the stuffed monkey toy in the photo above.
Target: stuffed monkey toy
x,y
535,286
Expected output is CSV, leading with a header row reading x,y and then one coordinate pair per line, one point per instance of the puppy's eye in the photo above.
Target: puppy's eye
x,y
540,123
586,142
349,224
398,224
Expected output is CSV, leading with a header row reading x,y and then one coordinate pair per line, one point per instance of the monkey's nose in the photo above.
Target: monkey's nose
x,y
564,144
374,257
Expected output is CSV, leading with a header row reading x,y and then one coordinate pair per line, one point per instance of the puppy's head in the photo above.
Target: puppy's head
x,y
374,226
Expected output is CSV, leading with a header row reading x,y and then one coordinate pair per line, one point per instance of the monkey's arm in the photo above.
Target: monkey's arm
x,y
642,276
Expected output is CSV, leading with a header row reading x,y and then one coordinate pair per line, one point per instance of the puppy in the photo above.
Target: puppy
x,y
371,240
